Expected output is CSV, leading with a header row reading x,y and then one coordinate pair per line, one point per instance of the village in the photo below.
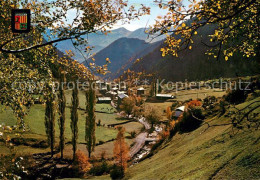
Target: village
x,y
129,89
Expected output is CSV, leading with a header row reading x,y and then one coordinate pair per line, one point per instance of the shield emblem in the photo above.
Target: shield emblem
x,y
20,20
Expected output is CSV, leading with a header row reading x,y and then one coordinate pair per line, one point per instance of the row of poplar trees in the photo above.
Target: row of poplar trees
x,y
50,110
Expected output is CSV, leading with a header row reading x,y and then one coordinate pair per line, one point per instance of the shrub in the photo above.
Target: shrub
x,y
222,105
194,103
236,96
208,101
100,169
81,164
99,123
133,134
117,172
191,120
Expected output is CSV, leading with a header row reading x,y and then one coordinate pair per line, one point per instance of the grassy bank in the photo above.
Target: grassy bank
x,y
205,155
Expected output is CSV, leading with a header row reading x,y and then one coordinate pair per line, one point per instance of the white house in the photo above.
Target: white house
x,y
179,111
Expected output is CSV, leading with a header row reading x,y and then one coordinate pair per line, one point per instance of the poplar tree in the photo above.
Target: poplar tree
x,y
50,120
90,119
74,118
62,106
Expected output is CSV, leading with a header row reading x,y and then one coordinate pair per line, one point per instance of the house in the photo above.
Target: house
x,y
111,94
106,100
120,99
114,89
164,96
140,91
121,92
179,111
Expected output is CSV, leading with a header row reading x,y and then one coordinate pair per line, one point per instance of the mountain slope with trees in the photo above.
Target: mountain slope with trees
x,y
119,53
195,64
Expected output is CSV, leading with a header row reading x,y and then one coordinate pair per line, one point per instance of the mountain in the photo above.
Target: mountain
x,y
141,34
195,64
120,52
150,48
100,41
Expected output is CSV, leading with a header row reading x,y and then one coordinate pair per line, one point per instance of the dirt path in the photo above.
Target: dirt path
x,y
140,139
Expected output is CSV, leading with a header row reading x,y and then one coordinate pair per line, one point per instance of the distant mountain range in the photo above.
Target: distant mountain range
x,y
195,64
122,53
101,41
123,47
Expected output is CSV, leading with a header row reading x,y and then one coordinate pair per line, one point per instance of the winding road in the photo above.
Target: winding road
x,y
140,139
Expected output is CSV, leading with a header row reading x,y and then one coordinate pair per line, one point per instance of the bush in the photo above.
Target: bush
x,y
133,134
208,101
189,122
236,96
100,169
117,172
222,105
81,164
99,123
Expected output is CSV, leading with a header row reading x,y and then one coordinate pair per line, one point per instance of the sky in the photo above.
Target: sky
x,y
143,21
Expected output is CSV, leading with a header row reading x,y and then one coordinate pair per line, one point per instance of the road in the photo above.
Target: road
x,y
140,139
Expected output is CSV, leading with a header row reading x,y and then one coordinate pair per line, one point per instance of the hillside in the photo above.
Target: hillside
x,y
194,64
150,48
210,154
119,52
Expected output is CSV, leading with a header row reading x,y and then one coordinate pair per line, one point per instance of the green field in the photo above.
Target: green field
x,y
107,108
35,122
109,118
195,93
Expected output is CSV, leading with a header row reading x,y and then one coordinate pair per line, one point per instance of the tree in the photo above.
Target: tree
x,y
152,116
74,118
236,26
30,57
169,113
90,119
153,89
121,150
50,120
62,106
81,164
127,105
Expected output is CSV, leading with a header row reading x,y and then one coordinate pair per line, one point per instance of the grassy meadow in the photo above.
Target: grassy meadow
x,y
210,154
34,121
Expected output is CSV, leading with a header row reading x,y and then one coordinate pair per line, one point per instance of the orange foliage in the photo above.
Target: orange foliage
x,y
169,113
165,134
194,103
121,150
138,100
174,122
81,162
